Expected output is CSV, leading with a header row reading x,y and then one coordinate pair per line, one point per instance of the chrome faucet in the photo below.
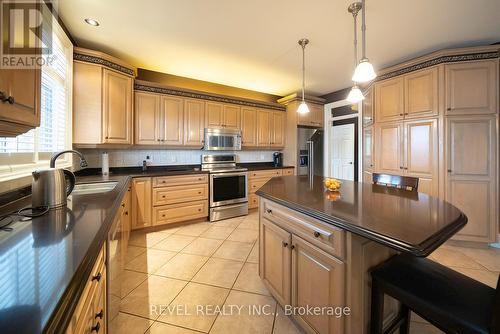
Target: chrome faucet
x,y
83,162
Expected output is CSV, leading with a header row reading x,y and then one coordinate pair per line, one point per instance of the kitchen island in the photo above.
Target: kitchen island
x,y
317,248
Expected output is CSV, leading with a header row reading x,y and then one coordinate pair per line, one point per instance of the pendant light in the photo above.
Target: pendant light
x,y
355,95
303,108
364,72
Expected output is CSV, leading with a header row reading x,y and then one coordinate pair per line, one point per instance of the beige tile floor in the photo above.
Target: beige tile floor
x,y
217,265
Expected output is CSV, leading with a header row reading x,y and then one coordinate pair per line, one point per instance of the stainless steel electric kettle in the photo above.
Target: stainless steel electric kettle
x,y
51,187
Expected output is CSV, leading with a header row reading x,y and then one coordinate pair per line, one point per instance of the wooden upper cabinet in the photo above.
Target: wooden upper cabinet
x,y
194,122
470,181
314,117
277,128
421,94
147,117
263,128
389,100
220,115
117,107
214,114
172,120
248,127
317,281
368,164
471,88
368,107
389,148
232,114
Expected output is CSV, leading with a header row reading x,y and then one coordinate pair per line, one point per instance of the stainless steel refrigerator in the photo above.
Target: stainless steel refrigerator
x,y
310,150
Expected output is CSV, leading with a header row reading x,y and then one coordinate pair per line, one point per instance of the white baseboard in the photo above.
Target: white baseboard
x,y
496,244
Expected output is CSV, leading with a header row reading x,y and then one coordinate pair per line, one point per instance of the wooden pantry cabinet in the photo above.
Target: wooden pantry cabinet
x,y
102,100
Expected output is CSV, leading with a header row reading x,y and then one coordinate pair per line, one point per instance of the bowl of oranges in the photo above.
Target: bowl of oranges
x,y
332,184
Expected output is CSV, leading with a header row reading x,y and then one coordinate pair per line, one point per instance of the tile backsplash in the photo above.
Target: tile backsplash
x,y
126,158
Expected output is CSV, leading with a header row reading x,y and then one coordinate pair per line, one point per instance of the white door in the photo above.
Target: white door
x,y
342,140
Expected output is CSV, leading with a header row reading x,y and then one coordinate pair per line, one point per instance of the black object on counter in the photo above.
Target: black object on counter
x,y
278,159
447,299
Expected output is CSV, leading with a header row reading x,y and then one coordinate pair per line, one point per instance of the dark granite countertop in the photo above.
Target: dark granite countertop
x,y
45,261
261,166
406,221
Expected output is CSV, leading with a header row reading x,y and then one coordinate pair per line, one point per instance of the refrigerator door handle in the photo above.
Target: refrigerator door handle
x,y
310,149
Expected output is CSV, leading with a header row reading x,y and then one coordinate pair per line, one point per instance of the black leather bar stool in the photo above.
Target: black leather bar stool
x,y
452,302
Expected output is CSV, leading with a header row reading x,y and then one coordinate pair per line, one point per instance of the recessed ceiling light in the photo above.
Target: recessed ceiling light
x,y
92,22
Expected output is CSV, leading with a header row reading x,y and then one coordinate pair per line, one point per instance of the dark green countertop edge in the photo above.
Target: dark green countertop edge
x,y
422,250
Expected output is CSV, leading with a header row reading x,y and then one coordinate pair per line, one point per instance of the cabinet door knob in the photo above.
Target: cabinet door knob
x,y
96,328
449,109
163,196
401,114
99,315
199,209
199,192
292,247
317,234
449,170
269,211
97,277
10,100
285,244
123,205
163,216
400,167
126,213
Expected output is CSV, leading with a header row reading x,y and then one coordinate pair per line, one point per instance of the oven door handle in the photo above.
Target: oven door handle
x,y
220,175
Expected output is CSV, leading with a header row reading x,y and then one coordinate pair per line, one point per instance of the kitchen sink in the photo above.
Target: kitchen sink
x,y
94,188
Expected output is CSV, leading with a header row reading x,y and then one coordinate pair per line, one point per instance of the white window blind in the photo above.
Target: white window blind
x,y
32,150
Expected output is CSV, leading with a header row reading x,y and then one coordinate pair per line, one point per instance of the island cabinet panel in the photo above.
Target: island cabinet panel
x,y
368,107
194,122
147,118
471,174
172,120
421,94
317,281
248,127
117,107
141,202
389,100
275,260
471,88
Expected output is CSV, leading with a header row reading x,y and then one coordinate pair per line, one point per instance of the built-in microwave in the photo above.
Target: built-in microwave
x,y
222,139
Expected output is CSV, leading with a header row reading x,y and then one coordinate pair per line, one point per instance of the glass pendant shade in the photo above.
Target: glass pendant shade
x,y
355,95
364,72
303,108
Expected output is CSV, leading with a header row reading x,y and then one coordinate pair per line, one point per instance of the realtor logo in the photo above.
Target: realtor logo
x,y
26,30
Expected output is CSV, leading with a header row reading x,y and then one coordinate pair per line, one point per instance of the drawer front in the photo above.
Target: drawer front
x,y
178,180
254,185
174,213
179,194
288,171
329,238
267,173
253,201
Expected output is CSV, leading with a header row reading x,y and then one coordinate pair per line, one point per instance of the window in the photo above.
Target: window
x,y
32,150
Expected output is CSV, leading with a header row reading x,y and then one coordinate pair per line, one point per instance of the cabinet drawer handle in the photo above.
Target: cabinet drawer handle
x,y
163,181
401,114
9,99
292,247
163,196
199,209
269,211
317,234
96,328
285,244
123,205
97,277
449,170
400,167
99,315
163,216
158,139
199,192
126,213
449,109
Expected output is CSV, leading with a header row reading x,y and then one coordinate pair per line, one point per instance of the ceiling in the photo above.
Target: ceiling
x,y
253,44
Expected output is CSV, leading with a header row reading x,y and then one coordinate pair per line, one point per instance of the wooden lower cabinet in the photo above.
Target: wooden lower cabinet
x,y
179,212
275,260
141,202
90,313
258,178
317,281
179,198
